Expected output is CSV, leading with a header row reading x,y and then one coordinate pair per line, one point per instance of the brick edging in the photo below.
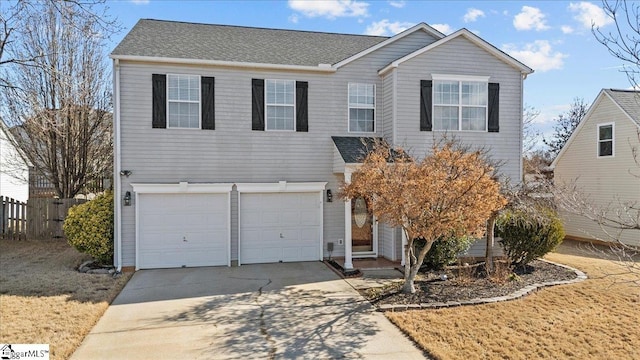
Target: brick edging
x,y
580,276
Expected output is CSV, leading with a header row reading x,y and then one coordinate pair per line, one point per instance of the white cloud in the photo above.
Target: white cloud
x,y
530,18
590,14
384,27
538,55
293,18
140,2
330,9
398,4
473,15
443,28
566,29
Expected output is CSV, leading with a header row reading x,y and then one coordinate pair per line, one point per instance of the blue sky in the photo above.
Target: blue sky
x,y
552,37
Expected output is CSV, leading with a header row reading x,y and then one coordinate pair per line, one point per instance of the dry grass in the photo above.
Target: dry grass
x,y
596,319
44,300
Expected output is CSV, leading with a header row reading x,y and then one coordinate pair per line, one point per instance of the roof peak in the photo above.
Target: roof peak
x,y
624,90
264,28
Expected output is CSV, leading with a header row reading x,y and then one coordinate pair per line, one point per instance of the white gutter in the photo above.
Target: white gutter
x,y
117,193
320,68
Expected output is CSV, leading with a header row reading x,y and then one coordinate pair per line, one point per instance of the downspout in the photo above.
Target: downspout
x,y
117,196
521,171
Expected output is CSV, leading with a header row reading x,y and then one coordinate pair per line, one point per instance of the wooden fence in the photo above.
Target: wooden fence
x,y
46,216
13,219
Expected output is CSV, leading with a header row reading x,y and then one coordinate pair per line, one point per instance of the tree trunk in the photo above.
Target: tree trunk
x,y
411,268
490,243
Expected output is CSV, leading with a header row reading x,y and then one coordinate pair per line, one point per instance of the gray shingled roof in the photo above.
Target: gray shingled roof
x,y
354,149
629,100
171,39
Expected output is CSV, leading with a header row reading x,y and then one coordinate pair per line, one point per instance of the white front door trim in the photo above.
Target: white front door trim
x,y
178,188
282,187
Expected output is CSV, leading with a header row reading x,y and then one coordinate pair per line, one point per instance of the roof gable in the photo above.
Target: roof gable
x,y
627,101
419,27
469,36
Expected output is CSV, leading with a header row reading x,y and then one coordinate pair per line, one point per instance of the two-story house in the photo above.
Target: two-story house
x,y
231,142
601,160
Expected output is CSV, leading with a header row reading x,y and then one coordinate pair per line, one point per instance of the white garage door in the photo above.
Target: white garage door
x,y
178,230
277,227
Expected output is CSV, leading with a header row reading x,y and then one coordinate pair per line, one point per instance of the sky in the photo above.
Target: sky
x,y
552,37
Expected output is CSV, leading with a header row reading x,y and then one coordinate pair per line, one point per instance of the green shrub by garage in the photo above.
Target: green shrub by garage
x,y
89,228
444,251
528,234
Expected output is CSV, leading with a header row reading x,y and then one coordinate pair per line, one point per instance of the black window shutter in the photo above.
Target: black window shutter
x,y
257,104
159,94
494,108
426,123
302,113
207,102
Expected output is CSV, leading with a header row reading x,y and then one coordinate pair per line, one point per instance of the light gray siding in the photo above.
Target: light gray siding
x,y
235,153
608,182
461,57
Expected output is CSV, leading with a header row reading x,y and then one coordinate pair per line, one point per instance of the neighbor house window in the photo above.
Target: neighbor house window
x,y
605,139
280,104
362,107
183,101
460,104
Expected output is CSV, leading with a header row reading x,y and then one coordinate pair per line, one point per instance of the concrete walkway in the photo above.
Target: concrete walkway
x,y
291,310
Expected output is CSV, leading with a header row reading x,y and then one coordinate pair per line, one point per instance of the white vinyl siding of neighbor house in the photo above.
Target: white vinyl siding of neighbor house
x,y
603,179
461,57
233,152
13,171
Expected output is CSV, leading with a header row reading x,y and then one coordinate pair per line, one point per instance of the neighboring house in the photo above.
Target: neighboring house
x,y
14,170
599,159
232,142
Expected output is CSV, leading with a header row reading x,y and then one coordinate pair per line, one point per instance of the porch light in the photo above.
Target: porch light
x,y
329,195
127,198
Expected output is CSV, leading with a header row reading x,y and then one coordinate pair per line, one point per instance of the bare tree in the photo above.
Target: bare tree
x,y
56,99
624,41
530,134
566,123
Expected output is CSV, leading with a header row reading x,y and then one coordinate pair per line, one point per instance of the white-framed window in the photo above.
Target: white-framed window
x,y
460,103
362,107
183,101
606,139
280,100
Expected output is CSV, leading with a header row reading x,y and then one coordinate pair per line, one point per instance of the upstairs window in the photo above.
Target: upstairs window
x,y
280,104
183,101
460,104
362,107
605,140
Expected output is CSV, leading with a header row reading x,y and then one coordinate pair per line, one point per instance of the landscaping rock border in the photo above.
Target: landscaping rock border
x,y
580,276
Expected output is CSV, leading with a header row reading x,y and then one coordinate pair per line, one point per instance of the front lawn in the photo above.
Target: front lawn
x,y
595,319
44,300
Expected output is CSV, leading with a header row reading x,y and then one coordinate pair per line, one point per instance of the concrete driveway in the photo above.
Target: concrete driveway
x,y
290,310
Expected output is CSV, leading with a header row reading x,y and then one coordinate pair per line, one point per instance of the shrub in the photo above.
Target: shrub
x,y
529,234
89,228
444,251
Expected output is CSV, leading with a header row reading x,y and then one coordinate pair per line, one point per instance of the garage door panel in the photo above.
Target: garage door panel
x,y
279,227
166,220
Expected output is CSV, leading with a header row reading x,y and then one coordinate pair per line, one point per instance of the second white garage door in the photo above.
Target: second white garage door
x,y
182,230
280,227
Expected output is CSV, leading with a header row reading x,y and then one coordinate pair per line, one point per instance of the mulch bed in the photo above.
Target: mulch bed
x,y
468,282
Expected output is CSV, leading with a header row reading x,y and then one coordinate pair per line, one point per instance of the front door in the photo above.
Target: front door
x,y
363,229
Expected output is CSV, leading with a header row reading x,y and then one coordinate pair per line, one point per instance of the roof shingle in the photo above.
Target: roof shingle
x,y
629,100
172,39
